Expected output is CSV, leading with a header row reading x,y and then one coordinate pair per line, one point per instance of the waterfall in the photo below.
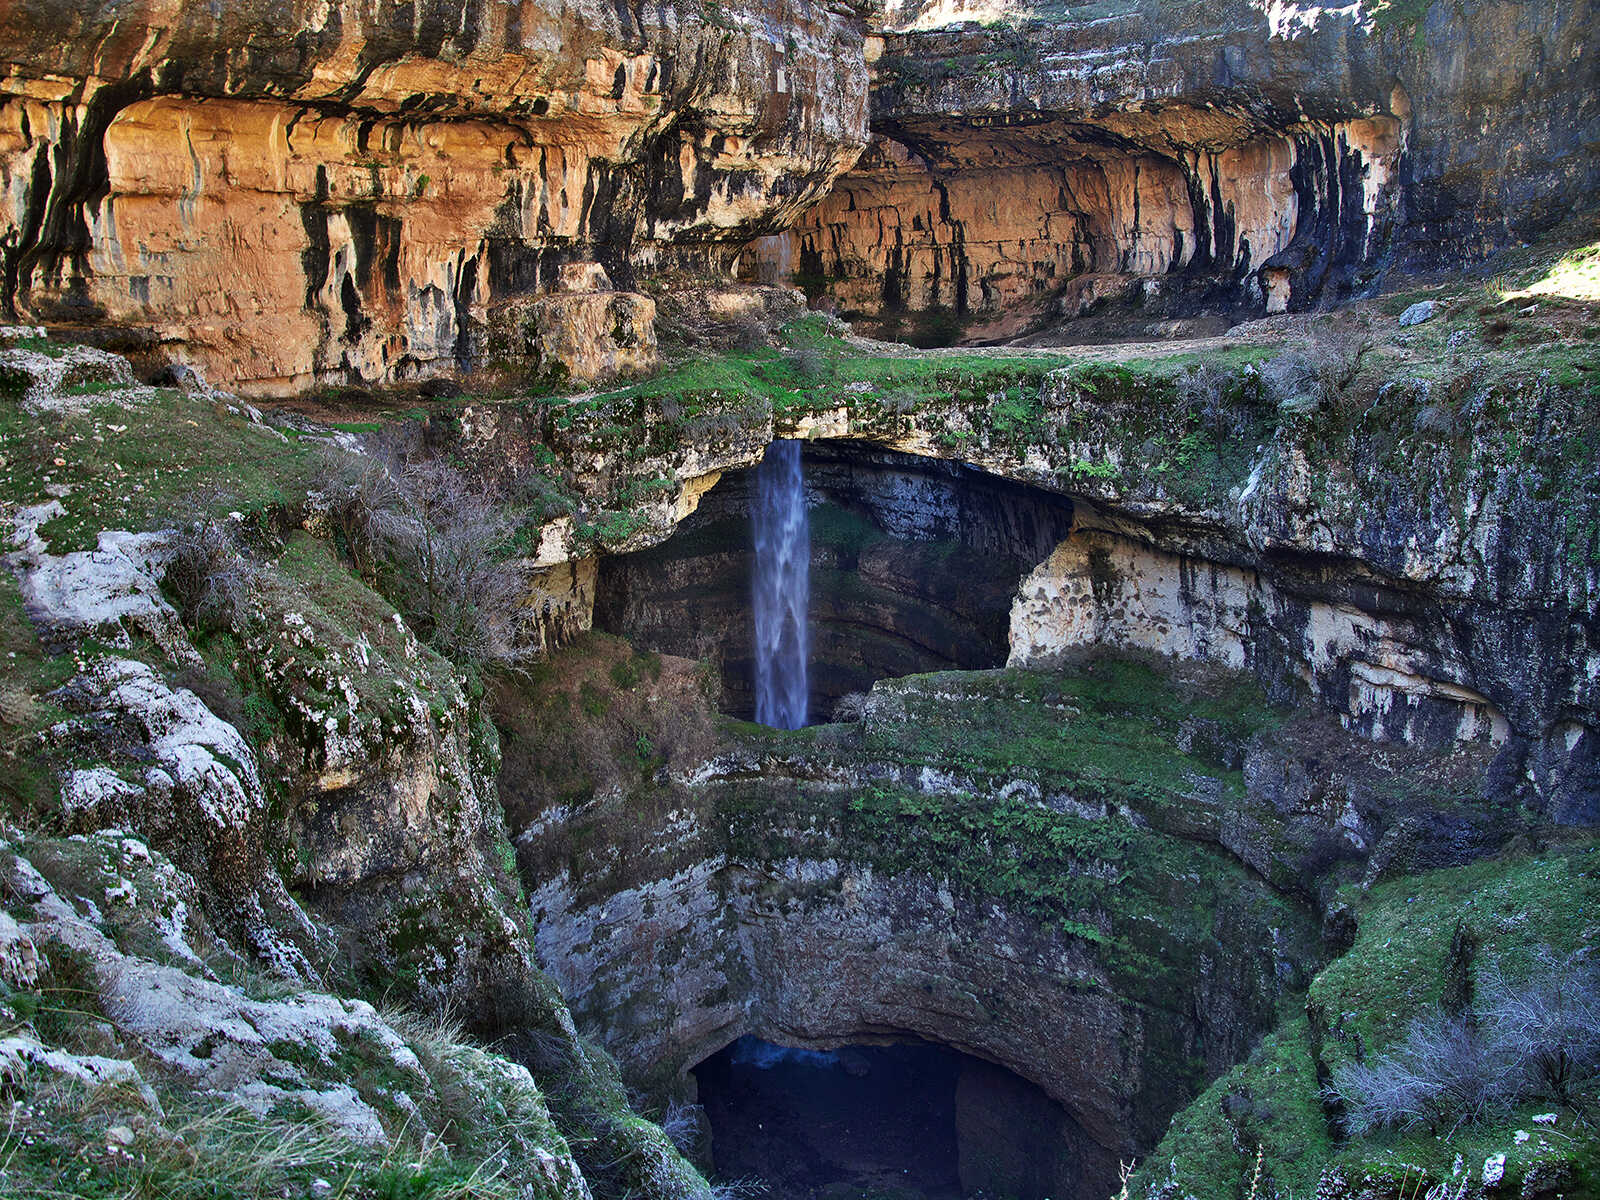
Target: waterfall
x,y
782,588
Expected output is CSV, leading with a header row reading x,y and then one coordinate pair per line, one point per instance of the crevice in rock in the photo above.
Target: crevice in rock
x,y
891,1115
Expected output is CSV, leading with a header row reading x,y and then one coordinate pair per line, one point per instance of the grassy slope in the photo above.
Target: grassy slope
x,y
1393,973
163,461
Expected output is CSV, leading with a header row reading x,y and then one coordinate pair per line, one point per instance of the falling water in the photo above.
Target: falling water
x,y
782,588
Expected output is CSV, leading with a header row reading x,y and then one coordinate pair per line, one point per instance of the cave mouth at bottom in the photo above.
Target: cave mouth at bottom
x,y
906,1119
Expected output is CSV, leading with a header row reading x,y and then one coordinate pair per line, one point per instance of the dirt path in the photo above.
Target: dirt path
x,y
1104,352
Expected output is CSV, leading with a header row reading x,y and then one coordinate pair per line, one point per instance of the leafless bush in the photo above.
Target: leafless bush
x,y
1549,1025
733,1189
748,332
433,541
1438,423
807,362
210,577
852,707
682,1123
1204,390
1440,1069
897,402
1536,1037
1312,375
719,425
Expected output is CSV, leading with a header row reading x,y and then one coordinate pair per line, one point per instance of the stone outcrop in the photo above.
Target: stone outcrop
x,y
1291,541
1179,158
752,892
1392,676
335,192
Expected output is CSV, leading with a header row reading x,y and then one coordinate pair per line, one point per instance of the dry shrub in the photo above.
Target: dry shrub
x,y
1438,423
682,1124
852,707
434,542
211,578
1549,1025
1539,1037
1311,376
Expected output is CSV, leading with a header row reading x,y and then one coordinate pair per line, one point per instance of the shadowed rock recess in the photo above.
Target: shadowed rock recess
x,y
914,568
1197,413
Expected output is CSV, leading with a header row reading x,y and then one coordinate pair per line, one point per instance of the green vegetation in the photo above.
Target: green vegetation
x,y
1052,782
1398,970
27,784
163,461
1400,14
1105,730
1575,275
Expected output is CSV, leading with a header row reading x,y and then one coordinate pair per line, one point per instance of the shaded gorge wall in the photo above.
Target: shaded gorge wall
x,y
914,566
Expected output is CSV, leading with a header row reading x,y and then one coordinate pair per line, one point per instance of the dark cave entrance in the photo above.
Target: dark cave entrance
x,y
909,1119
914,565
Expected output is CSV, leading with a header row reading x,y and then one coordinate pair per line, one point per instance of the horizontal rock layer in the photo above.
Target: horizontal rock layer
x,y
340,192
1182,158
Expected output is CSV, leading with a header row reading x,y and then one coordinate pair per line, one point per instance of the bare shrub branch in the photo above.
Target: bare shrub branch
x,y
210,577
1549,1025
433,542
1536,1037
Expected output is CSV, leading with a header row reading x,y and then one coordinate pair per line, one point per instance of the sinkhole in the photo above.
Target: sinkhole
x,y
913,566
904,1119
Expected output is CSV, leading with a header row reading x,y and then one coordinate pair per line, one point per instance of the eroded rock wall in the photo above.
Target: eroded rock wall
x,y
914,564
340,192
1388,670
1237,156
735,901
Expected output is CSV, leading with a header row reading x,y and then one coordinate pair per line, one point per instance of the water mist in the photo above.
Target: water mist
x,y
782,588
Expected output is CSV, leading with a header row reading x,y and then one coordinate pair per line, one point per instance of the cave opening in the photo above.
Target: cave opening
x,y
914,564
907,1118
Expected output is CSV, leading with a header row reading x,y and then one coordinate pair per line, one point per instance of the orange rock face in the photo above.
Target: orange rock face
x,y
998,245
348,191
1240,156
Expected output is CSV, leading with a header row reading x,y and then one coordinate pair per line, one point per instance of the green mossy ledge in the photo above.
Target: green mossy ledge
x,y
1267,1114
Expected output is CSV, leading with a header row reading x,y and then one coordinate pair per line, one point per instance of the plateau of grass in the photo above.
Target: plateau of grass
x,y
162,461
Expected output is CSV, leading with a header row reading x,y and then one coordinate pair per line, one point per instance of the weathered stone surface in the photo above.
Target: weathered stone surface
x,y
913,567
1386,676
579,337
1236,154
333,192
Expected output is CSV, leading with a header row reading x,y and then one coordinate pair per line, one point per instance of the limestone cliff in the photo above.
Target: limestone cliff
x,y
1342,523
1182,158
336,193
290,194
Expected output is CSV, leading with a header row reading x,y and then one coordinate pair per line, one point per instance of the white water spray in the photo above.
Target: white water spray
x,y
782,588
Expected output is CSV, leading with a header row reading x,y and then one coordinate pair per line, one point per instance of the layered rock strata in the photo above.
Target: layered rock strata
x,y
1294,544
1235,156
342,193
